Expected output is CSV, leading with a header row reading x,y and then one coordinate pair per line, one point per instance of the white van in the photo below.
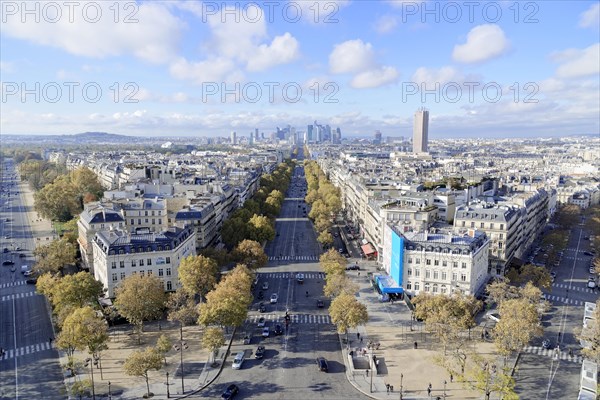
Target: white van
x,y
24,268
238,360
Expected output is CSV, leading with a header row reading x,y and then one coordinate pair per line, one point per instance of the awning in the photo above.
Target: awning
x,y
387,284
367,249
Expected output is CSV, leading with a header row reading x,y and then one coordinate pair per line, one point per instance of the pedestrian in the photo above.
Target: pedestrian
x,y
387,386
50,341
482,335
361,340
358,335
462,369
451,378
429,390
367,372
416,345
391,388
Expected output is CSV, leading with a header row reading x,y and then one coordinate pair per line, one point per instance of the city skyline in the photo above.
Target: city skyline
x,y
198,69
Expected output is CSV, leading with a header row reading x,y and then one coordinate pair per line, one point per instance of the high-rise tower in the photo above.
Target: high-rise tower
x,y
420,131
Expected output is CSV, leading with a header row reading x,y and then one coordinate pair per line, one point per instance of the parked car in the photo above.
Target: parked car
x,y
353,267
230,392
592,269
7,262
320,304
494,317
238,360
274,298
261,322
31,280
266,331
260,352
591,282
587,253
322,364
278,329
247,339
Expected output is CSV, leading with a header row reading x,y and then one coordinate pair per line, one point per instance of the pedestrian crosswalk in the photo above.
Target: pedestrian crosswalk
x,y
572,287
17,296
565,300
555,353
11,284
22,351
294,318
285,275
294,258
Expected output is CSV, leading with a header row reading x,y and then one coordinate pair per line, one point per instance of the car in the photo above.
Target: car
x,y
494,317
340,250
586,238
28,273
320,304
266,331
247,339
262,308
274,298
31,281
546,344
592,269
591,282
22,255
587,253
238,360
230,392
278,329
352,267
261,321
260,352
265,286
5,250
300,278
17,248
7,262
322,364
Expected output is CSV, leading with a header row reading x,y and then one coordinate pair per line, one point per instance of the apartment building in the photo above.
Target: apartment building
x,y
436,263
119,254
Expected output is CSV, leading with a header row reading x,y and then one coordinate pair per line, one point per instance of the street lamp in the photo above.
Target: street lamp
x,y
167,384
182,346
109,392
445,383
401,387
90,362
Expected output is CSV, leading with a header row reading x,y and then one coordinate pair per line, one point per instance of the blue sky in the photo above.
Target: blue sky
x,y
503,69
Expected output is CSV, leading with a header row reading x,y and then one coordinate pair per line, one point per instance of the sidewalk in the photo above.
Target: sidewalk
x,y
400,364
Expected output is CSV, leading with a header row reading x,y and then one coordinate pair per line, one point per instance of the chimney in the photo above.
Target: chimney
x,y
472,233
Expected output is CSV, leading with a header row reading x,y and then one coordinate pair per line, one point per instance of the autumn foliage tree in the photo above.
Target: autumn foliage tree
x,y
347,312
250,253
198,275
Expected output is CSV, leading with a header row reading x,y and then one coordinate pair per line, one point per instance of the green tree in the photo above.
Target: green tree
x,y
140,298
325,238
337,284
519,323
252,206
485,377
250,253
220,256
81,388
212,340
75,291
86,182
139,363
347,312
233,231
260,229
198,275
182,308
54,256
90,330
538,276
57,201
163,345
333,263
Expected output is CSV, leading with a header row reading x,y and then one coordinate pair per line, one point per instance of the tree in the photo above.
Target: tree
x,y
140,298
260,229
86,182
325,238
57,201
227,305
220,256
485,377
538,276
233,231
596,264
75,291
182,308
501,290
163,345
89,331
347,312
337,284
139,363
566,215
198,275
252,206
519,323
332,262
81,388
54,256
213,339
250,253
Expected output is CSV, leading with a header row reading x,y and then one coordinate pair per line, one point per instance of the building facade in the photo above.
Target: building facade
x,y
421,131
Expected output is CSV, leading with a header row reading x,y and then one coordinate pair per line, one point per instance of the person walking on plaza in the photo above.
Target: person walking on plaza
x,y
451,378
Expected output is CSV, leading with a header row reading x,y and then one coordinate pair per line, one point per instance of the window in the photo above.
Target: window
x,y
409,272
417,285
463,223
444,276
408,285
153,221
444,263
159,248
149,261
472,224
121,251
418,261
114,277
121,264
133,263
436,262
454,276
428,262
481,225
160,221
146,220
436,275
113,265
444,289
501,236
146,213
142,273
149,272
160,272
455,264
463,277
464,265
435,288
501,226
491,225
410,260
499,245
139,221
417,272
169,286
122,275
427,287
141,262
132,223
427,274
168,271
132,250
168,260
167,247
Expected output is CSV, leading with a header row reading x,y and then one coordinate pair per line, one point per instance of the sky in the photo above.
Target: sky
x,y
191,68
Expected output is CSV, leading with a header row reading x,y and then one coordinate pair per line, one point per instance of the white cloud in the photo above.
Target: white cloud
x,y
374,78
153,38
282,50
442,75
578,63
386,24
591,17
484,42
212,70
351,56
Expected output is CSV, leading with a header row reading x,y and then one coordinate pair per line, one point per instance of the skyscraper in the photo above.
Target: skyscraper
x,y
420,131
233,138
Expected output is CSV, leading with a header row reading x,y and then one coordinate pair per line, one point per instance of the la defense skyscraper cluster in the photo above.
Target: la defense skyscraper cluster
x,y
420,131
